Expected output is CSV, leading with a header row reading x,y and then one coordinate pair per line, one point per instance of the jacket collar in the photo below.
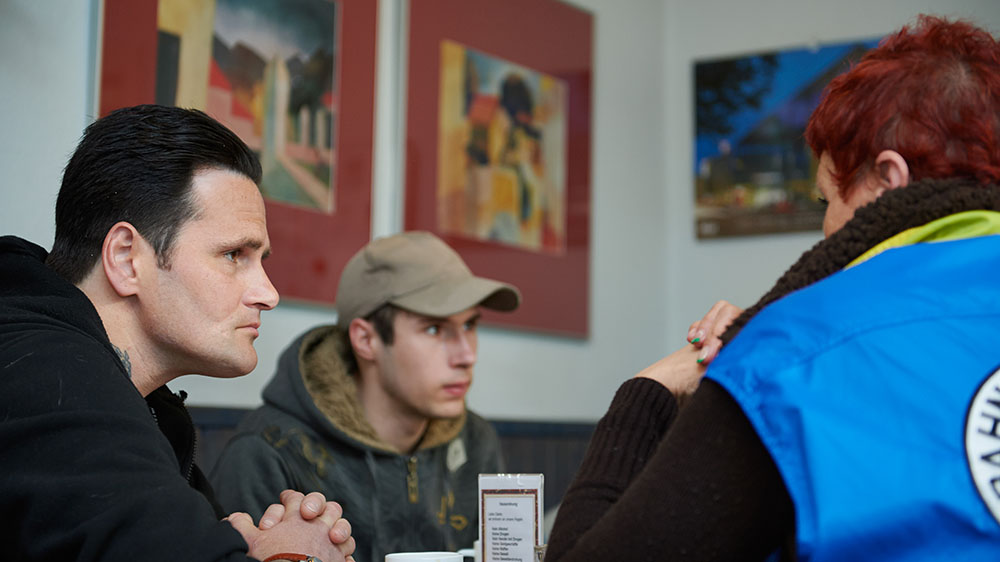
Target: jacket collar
x,y
916,206
967,224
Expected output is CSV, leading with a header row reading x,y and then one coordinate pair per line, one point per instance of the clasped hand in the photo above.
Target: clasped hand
x,y
301,524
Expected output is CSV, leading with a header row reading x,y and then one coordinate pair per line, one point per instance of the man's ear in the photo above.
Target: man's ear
x,y
364,338
121,257
893,172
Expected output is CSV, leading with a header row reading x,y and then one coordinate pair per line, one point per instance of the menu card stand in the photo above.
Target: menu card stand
x,y
510,516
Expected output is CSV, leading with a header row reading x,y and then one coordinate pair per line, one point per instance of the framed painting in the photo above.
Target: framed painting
x,y
295,80
498,148
754,172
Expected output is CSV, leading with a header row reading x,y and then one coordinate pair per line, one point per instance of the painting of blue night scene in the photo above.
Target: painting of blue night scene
x,y
754,172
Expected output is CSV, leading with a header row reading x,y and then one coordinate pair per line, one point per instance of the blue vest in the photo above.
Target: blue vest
x,y
877,393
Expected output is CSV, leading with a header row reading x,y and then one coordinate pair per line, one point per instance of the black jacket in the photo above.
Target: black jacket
x,y
86,468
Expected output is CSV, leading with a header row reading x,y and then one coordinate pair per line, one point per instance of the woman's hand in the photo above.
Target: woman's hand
x,y
706,334
680,371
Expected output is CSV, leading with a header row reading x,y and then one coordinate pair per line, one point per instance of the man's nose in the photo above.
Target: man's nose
x,y
262,293
462,349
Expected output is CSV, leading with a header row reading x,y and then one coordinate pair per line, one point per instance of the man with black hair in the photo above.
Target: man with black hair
x,y
371,411
156,272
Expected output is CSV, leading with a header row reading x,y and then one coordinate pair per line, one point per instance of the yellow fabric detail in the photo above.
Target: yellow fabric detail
x,y
967,224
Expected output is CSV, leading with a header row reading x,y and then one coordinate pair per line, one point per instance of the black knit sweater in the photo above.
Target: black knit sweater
x,y
700,485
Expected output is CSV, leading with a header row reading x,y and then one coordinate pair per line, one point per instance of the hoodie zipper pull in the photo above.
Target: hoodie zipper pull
x,y
412,484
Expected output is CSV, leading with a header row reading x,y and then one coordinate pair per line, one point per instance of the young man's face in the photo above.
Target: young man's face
x,y
203,311
427,370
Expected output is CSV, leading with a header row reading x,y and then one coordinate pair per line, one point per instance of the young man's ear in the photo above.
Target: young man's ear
x,y
364,338
122,257
892,170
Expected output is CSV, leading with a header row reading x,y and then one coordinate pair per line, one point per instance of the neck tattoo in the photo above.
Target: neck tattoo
x,y
123,356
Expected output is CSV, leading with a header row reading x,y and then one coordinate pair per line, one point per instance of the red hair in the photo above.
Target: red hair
x,y
931,93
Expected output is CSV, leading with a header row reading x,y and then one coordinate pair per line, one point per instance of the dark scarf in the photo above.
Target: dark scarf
x,y
895,211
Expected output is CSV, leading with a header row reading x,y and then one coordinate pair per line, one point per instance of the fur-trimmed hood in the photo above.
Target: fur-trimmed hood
x,y
312,383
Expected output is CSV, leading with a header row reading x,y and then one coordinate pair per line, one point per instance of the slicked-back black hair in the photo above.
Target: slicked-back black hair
x,y
137,165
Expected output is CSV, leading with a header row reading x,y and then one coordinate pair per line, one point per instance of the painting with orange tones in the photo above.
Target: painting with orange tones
x,y
498,140
502,151
273,72
267,70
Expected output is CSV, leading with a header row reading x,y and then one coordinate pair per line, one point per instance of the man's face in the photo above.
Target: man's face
x,y
204,310
427,370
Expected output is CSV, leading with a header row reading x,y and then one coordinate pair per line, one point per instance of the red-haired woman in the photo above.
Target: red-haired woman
x,y
854,412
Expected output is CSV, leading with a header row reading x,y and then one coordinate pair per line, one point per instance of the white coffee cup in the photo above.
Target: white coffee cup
x,y
423,557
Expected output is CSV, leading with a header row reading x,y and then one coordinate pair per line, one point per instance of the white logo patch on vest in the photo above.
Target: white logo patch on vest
x,y
456,455
982,442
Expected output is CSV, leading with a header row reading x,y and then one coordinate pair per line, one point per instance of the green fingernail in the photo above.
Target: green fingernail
x,y
696,340
701,359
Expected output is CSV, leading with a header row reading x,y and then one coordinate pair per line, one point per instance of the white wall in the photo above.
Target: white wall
x,y
650,276
741,270
520,375
526,375
45,86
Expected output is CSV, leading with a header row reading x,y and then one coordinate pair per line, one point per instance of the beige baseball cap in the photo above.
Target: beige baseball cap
x,y
418,272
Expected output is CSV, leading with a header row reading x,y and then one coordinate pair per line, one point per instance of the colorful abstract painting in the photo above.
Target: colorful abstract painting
x,y
267,69
501,151
754,172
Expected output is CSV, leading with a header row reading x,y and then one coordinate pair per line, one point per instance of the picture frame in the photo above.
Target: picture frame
x,y
309,245
499,165
754,172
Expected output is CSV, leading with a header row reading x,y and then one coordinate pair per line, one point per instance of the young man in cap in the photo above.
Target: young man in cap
x,y
371,411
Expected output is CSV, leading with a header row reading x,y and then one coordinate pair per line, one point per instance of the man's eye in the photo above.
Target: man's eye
x,y
433,329
822,201
232,255
470,325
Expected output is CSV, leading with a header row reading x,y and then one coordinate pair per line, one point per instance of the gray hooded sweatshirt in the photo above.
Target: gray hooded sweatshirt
x,y
311,435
